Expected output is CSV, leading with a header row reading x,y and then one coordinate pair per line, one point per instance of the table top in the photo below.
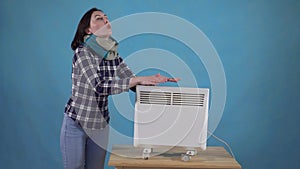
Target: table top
x,y
212,157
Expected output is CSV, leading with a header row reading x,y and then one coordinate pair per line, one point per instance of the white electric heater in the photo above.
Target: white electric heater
x,y
170,116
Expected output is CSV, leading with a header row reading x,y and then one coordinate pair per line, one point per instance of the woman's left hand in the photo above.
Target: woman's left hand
x,y
163,79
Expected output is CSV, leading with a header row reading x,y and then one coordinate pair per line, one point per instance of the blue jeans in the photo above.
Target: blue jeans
x,y
79,151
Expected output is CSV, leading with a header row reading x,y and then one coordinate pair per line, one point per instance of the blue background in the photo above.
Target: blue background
x,y
257,41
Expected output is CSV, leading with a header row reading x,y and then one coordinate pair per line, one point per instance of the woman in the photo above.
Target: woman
x,y
96,64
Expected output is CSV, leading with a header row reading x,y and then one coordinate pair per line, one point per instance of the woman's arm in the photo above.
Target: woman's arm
x,y
123,71
95,78
89,67
151,80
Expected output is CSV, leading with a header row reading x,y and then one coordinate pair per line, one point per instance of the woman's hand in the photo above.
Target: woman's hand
x,y
151,80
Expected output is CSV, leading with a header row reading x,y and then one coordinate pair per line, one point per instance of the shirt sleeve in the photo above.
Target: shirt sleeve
x,y
123,70
95,78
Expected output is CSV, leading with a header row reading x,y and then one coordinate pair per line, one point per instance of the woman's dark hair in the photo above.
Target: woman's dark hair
x,y
82,27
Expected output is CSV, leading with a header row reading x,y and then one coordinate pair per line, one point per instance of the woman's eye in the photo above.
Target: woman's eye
x,y
99,18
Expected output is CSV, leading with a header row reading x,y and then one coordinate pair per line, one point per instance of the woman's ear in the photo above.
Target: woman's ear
x,y
88,31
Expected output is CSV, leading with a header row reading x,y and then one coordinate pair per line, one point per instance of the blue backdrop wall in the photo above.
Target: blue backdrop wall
x,y
257,42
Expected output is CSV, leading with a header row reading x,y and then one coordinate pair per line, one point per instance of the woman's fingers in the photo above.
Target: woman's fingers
x,y
155,80
173,79
163,79
160,78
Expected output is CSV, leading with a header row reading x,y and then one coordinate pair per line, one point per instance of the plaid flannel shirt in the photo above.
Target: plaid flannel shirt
x,y
93,80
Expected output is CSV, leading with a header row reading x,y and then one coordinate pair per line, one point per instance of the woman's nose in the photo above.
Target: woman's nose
x,y
106,21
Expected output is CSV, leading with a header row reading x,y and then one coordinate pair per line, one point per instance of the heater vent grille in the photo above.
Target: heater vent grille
x,y
150,97
169,98
188,99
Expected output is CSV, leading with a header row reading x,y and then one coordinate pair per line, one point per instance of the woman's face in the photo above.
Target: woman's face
x,y
98,20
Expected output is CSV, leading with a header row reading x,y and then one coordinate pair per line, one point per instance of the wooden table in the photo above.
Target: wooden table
x,y
129,157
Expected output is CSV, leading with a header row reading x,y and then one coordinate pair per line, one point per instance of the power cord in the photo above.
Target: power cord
x,y
224,142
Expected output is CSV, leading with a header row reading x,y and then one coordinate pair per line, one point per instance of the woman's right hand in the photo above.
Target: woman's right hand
x,y
151,80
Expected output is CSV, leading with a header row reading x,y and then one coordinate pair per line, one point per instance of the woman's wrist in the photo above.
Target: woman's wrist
x,y
133,81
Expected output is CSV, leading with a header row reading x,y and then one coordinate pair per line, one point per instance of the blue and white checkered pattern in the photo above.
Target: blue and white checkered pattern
x,y
93,80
